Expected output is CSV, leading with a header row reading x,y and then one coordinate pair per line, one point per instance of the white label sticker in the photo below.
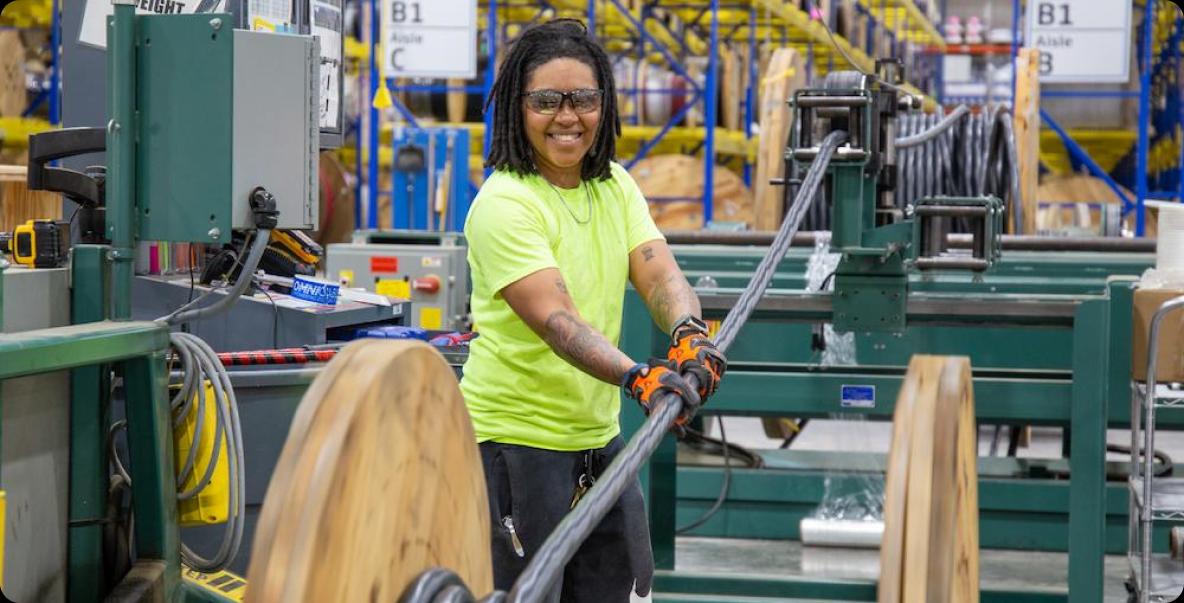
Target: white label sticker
x,y
92,30
429,39
1080,41
431,261
857,396
326,25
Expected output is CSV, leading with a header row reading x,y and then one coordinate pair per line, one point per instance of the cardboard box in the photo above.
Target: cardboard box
x,y
1170,361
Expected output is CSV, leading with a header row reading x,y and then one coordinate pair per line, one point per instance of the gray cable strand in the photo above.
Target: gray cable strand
x,y
547,564
228,414
1017,206
219,426
930,134
187,389
190,311
763,275
972,155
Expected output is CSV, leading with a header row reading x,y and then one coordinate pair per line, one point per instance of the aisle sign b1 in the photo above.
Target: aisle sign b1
x,y
1081,41
430,38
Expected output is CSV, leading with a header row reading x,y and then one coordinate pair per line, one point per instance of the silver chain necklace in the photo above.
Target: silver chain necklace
x,y
563,202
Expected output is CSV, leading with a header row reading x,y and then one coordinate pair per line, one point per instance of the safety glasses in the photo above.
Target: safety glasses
x,y
549,102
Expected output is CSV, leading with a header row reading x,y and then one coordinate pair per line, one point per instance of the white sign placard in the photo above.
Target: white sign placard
x,y
326,20
1081,41
429,38
93,31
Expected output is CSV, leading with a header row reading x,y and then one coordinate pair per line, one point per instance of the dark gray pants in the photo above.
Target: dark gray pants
x,y
533,488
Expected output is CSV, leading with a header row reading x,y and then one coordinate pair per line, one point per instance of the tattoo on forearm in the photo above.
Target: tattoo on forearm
x,y
648,253
559,284
670,298
578,343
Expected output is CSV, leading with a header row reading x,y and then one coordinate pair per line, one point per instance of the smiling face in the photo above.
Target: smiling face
x,y
561,141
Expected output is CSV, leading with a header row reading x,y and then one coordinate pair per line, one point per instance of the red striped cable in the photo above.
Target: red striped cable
x,y
281,356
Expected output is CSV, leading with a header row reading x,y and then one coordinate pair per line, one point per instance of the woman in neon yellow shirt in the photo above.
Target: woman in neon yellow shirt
x,y
554,235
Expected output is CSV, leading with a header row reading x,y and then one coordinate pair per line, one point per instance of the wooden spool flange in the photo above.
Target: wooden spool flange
x,y
379,480
930,547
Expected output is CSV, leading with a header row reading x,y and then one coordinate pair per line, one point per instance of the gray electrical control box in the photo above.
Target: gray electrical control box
x,y
430,269
221,111
276,129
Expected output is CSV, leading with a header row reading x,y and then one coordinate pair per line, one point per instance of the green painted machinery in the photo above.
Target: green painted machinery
x,y
1047,333
1054,358
200,114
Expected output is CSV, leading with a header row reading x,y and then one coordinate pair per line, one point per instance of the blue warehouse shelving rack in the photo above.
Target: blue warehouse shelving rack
x,y
673,34
1147,160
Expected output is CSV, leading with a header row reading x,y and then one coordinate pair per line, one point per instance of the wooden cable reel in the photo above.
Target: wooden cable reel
x,y
379,480
930,548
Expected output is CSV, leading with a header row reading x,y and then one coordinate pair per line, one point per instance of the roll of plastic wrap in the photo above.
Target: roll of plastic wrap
x,y
850,533
1169,247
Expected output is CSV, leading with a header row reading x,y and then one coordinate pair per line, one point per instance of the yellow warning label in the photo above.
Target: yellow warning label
x,y
430,318
345,277
393,288
224,584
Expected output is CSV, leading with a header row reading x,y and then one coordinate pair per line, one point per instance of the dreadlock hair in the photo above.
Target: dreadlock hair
x,y
557,39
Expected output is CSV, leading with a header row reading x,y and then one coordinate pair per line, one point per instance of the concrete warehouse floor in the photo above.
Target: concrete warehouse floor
x,y
1000,569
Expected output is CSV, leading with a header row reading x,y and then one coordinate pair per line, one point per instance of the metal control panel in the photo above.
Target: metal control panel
x,y
428,268
219,112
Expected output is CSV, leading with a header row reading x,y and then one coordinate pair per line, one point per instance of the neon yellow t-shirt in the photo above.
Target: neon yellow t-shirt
x,y
517,390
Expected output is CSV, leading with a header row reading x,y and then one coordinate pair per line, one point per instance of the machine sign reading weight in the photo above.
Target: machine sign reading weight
x,y
878,246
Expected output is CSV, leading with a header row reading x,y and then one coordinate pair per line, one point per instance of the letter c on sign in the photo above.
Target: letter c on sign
x,y
395,64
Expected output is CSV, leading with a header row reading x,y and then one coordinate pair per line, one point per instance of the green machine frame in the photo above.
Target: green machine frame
x,y
1049,340
142,151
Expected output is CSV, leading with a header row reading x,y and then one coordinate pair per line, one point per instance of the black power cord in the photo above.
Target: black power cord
x,y
723,491
711,445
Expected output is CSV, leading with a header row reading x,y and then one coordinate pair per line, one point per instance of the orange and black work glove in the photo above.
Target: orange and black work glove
x,y
693,353
645,382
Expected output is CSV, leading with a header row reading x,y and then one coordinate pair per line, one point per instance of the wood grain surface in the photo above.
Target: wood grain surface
x,y
784,75
930,548
380,479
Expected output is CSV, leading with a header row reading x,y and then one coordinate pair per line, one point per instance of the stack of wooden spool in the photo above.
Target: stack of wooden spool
x,y
930,546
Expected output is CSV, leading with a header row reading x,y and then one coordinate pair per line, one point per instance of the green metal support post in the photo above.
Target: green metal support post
x,y
89,404
1087,502
1121,291
154,494
121,154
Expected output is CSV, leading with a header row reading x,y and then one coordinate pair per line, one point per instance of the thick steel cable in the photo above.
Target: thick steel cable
x,y
545,568
922,137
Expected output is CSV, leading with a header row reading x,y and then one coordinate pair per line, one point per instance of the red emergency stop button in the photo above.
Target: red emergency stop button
x,y
426,284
